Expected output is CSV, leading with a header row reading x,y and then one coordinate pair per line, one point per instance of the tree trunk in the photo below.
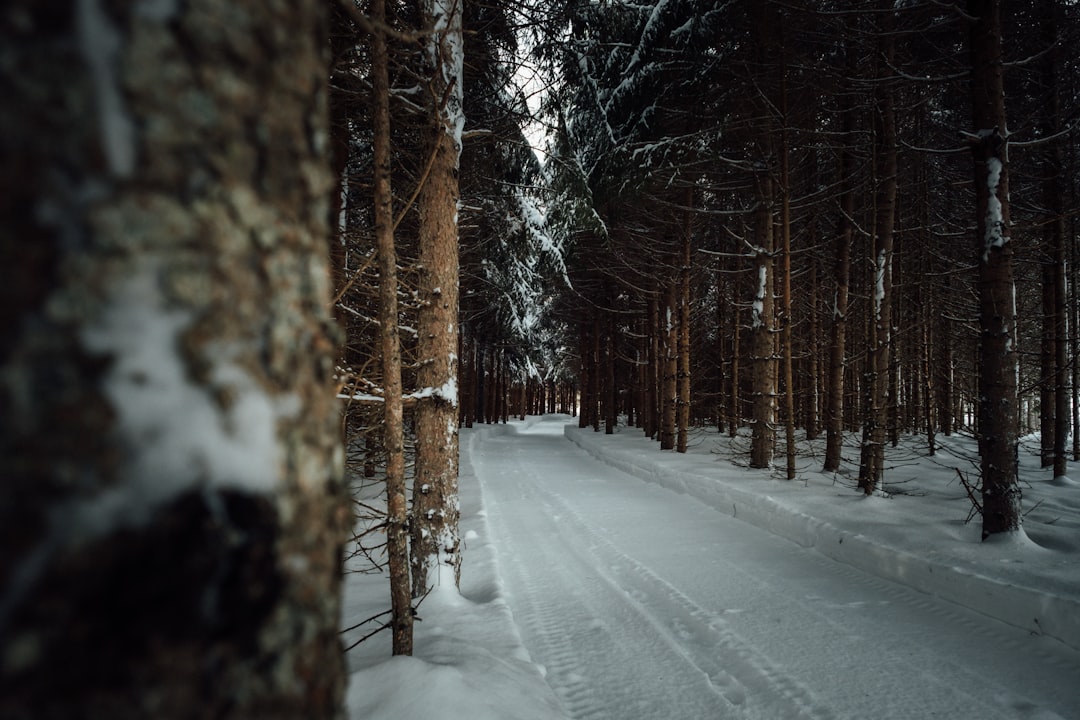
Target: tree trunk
x,y
1047,351
342,36
583,373
435,540
735,398
670,369
872,461
997,302
945,365
813,350
1049,71
611,416
834,400
763,344
648,385
397,536
785,281
595,384
683,390
722,307
172,515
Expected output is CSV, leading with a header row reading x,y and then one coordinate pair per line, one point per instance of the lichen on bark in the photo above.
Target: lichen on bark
x,y
207,585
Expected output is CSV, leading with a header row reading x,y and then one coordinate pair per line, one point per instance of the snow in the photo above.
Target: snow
x,y
448,391
157,10
361,397
448,34
603,578
995,222
99,43
758,311
879,284
176,434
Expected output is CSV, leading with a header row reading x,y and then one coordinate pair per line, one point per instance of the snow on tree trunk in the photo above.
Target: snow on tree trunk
x,y
763,341
765,33
872,456
998,367
435,541
172,513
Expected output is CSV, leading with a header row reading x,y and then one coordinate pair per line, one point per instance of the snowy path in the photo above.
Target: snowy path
x,y
643,603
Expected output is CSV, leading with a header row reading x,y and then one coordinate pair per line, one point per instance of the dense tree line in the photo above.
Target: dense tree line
x,y
807,215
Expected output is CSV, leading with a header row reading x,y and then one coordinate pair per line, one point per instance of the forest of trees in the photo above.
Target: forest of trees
x,y
241,240
799,218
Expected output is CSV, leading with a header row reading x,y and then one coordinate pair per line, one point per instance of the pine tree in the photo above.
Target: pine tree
x,y
997,430
435,540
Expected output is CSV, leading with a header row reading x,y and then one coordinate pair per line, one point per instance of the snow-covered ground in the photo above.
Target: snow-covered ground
x,y
605,579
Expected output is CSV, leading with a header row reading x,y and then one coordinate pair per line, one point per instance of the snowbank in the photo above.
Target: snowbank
x,y
468,660
918,539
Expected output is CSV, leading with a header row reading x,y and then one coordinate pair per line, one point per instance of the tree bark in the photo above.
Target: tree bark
x,y
735,399
876,391
1054,166
683,390
611,414
595,380
763,343
670,369
434,530
813,350
997,394
834,400
648,385
397,536
1047,352
172,514
584,370
785,281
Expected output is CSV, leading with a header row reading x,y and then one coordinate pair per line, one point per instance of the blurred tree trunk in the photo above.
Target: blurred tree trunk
x,y
172,514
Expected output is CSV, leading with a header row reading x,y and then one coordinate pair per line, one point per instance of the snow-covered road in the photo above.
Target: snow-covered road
x,y
641,603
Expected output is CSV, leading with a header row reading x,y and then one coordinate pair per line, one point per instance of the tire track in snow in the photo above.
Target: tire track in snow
x,y
739,674
729,678
579,658
539,614
711,628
